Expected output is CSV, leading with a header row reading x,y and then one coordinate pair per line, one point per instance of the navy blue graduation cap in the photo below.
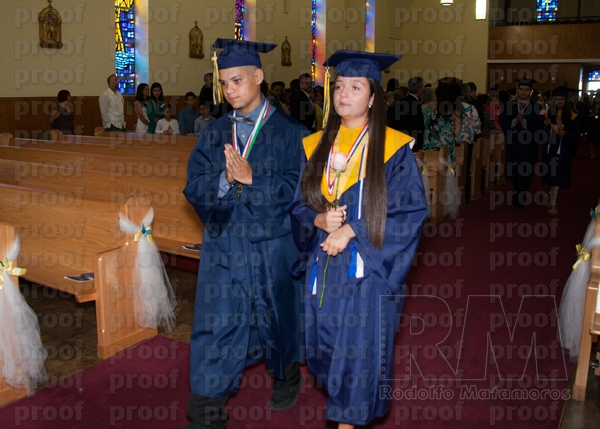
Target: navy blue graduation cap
x,y
360,64
563,91
355,64
525,81
240,53
235,53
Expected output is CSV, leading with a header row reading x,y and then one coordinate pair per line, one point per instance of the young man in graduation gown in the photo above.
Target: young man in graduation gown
x,y
523,125
242,176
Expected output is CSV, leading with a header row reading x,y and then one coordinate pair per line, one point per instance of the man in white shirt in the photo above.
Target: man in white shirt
x,y
112,107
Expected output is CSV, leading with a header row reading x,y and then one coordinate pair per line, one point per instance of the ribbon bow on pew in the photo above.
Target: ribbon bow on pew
x,y
572,303
153,299
22,353
426,185
9,267
451,199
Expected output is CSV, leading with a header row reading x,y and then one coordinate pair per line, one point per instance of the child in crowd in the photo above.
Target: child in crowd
x,y
203,120
167,125
188,115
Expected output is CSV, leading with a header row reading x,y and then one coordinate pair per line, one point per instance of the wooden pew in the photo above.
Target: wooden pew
x,y
461,170
437,180
71,239
475,171
109,177
590,325
114,139
487,165
7,237
498,146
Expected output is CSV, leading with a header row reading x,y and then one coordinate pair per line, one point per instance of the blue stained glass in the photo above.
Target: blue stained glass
x,y
125,45
546,10
239,20
594,76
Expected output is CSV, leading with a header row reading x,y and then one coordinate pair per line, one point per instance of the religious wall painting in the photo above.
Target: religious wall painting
x,y
286,53
50,24
196,42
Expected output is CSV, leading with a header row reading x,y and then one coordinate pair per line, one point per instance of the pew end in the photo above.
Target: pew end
x,y
475,171
437,181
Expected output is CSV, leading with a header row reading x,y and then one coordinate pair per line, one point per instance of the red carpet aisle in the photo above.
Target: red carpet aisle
x,y
479,327
144,387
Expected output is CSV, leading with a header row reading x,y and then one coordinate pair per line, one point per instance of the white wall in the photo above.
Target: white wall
x,y
434,41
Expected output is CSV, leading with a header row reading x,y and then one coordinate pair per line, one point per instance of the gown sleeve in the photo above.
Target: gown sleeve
x,y
303,225
205,166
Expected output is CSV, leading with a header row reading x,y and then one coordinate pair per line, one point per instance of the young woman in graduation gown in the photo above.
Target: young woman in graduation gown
x,y
563,134
357,248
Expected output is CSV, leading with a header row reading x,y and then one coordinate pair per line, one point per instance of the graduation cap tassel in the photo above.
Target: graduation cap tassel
x,y
217,90
327,97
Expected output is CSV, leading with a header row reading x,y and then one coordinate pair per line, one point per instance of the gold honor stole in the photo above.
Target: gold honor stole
x,y
559,116
394,140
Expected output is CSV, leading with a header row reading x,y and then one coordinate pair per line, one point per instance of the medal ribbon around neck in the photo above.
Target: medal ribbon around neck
x,y
524,107
250,143
355,145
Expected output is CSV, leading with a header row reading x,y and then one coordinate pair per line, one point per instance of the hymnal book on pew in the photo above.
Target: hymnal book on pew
x,y
85,277
194,247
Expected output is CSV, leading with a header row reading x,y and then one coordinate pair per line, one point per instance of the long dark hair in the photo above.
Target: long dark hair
x,y
161,96
449,99
566,111
375,187
139,94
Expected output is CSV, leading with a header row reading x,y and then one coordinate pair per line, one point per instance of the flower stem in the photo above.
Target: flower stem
x,y
324,278
336,204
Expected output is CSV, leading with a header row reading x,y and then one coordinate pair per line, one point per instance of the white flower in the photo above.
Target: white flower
x,y
338,162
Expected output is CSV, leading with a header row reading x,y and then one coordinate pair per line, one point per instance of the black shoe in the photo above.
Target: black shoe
x,y
207,413
286,391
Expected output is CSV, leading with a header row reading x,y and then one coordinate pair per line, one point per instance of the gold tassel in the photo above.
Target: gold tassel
x,y
326,97
217,90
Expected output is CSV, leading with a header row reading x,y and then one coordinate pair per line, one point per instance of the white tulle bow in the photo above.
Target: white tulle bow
x,y
22,354
425,177
153,298
450,198
572,303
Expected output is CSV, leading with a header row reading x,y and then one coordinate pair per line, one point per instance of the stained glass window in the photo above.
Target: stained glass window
x,y
546,10
239,20
594,76
125,45
313,25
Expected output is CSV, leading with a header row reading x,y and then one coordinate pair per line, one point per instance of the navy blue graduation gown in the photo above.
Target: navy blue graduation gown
x,y
522,143
247,302
557,166
350,340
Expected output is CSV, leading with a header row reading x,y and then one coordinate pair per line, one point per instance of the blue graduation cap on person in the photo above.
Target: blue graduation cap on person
x,y
355,64
236,53
563,91
360,64
526,81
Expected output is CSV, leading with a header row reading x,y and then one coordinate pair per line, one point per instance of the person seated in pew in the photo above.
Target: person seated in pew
x,y
203,120
167,125
188,115
62,116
